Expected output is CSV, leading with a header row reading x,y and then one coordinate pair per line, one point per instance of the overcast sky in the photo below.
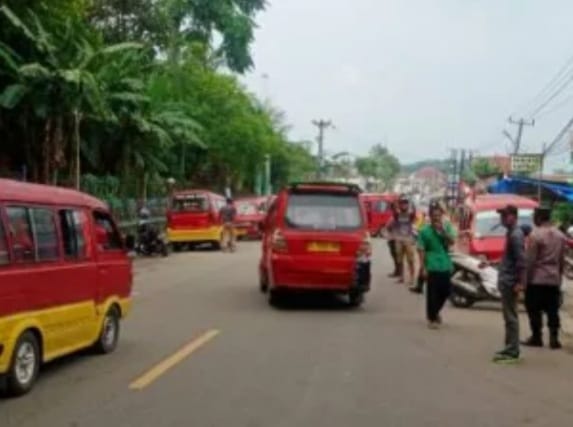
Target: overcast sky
x,y
417,75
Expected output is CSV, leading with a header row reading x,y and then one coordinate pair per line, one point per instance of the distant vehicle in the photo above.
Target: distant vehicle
x,y
481,233
193,219
65,278
379,211
316,238
251,212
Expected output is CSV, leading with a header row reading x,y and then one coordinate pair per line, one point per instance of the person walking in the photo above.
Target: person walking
x,y
390,233
434,242
545,257
228,214
404,232
511,279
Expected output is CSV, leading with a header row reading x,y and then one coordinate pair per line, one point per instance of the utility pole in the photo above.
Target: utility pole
x,y
322,125
520,124
541,166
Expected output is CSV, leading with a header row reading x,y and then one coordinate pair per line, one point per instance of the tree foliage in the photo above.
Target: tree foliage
x,y
134,91
380,165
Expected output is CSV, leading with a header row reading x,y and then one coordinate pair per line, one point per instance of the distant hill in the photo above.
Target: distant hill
x,y
441,165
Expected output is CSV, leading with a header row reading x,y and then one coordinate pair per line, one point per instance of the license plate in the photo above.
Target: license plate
x,y
323,247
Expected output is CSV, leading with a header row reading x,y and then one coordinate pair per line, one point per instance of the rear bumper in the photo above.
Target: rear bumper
x,y
305,273
210,234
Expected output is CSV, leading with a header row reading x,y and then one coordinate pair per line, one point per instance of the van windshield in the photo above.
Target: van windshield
x,y
192,203
488,223
323,212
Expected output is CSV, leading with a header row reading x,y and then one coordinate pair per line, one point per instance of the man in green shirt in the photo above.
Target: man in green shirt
x,y
434,242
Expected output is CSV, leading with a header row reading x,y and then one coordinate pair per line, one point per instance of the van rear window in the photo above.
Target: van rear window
x,y
4,258
190,203
323,212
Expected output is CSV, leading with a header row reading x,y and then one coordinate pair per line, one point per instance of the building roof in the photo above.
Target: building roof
x,y
23,192
498,201
429,172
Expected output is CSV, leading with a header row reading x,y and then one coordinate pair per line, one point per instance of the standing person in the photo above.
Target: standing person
x,y
392,242
228,214
511,279
434,242
545,253
404,232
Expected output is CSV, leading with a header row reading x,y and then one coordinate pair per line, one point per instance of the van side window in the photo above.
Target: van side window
x,y
72,224
21,232
46,234
108,238
4,258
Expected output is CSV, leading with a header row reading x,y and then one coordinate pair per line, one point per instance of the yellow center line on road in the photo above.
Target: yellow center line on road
x,y
170,362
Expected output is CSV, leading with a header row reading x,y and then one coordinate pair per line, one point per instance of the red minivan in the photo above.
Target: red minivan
x,y
379,211
193,219
481,233
315,238
65,278
251,213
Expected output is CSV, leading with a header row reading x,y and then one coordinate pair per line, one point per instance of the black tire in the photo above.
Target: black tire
x,y
177,247
263,283
461,301
109,335
355,299
21,379
164,250
274,298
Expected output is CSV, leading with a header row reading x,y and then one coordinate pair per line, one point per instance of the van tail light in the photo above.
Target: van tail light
x,y
278,242
365,249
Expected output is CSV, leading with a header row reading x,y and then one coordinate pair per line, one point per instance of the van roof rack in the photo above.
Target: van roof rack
x,y
325,184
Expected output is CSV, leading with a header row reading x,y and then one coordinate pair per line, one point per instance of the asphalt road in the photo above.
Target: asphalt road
x,y
202,348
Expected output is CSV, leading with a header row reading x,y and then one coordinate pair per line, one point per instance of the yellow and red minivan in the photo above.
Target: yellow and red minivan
x,y
65,278
193,219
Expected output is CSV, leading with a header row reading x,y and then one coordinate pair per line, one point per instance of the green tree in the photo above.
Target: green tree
x,y
483,168
380,165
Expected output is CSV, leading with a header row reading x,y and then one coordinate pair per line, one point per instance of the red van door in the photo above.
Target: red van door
x,y
113,264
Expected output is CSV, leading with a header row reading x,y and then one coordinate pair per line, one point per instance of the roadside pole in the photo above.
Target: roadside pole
x,y
268,189
540,177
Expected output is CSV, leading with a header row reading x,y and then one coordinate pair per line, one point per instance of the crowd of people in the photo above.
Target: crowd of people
x,y
532,263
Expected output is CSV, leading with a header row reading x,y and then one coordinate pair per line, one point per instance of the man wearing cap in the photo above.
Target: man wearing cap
x,y
434,242
545,257
511,279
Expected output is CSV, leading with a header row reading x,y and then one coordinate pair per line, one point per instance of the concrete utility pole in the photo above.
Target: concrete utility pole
x,y
321,125
520,124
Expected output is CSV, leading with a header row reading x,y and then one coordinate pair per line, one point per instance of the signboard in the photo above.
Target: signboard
x,y
525,163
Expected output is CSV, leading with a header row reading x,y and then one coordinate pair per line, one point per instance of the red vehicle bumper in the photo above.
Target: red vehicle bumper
x,y
305,272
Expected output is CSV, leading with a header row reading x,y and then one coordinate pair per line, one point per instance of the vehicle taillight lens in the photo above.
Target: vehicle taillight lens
x,y
365,248
279,243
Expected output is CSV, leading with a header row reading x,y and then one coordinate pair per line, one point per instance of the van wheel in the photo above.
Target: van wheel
x,y
109,336
274,298
25,365
355,299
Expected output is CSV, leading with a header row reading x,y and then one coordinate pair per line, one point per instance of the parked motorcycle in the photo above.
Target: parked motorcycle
x,y
150,242
473,281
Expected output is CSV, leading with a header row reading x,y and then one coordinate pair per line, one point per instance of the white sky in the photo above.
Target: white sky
x,y
417,75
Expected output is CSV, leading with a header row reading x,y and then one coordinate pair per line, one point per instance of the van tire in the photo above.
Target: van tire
x,y
19,382
109,335
355,299
273,298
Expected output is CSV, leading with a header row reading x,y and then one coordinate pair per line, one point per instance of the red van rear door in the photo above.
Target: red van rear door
x,y
190,211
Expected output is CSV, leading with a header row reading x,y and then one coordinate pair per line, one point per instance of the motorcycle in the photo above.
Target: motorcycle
x,y
474,281
150,242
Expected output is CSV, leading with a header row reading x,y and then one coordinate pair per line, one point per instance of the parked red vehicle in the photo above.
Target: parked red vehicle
x,y
481,233
193,219
65,278
315,238
379,211
251,212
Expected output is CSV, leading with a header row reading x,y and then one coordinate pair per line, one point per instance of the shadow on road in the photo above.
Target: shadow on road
x,y
313,302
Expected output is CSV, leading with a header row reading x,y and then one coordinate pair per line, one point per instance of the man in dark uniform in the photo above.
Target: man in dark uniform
x,y
545,262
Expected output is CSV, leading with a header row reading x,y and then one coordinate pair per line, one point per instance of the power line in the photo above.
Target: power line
x,y
554,95
563,71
